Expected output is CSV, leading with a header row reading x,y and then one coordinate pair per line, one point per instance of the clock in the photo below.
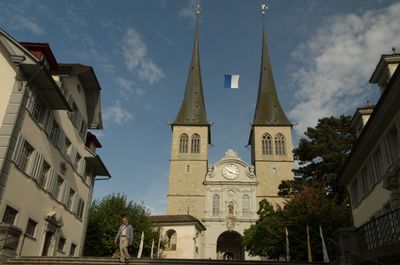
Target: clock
x,y
230,171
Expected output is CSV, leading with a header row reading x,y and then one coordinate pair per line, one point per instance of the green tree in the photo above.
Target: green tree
x,y
266,238
105,217
323,152
308,206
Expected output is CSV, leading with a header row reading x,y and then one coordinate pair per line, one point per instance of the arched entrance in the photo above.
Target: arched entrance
x,y
229,246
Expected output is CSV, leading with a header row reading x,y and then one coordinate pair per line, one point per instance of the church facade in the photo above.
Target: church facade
x,y
225,196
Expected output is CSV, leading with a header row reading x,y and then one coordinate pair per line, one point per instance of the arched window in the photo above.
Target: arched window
x,y
171,240
267,144
183,143
280,146
215,205
195,148
245,205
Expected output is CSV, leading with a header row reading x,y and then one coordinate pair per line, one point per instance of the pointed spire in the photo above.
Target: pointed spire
x,y
268,109
193,110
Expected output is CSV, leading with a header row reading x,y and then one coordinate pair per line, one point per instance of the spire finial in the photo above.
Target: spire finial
x,y
264,9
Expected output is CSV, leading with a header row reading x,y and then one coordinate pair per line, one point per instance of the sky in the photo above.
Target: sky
x,y
322,54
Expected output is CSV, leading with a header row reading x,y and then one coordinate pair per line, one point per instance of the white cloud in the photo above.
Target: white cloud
x,y
188,11
338,61
118,115
129,86
22,22
137,59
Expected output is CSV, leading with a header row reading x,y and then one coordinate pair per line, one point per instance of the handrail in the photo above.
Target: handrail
x,y
355,253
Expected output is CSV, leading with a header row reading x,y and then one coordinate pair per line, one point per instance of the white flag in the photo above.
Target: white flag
x,y
324,251
139,254
152,249
231,81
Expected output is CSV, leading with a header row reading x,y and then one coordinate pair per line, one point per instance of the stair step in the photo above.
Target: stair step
x,y
144,261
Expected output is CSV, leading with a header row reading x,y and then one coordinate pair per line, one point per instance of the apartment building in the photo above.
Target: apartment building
x,y
48,160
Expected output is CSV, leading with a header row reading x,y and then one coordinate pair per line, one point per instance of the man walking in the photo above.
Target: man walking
x,y
125,237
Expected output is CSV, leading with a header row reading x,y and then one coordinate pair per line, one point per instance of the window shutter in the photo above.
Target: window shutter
x,y
53,181
35,163
49,121
18,148
73,154
65,193
61,141
82,167
30,101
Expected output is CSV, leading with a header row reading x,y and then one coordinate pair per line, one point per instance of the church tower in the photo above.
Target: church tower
x,y
190,140
271,135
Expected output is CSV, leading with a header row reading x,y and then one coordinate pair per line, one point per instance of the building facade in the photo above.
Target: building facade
x,y
225,196
371,174
48,161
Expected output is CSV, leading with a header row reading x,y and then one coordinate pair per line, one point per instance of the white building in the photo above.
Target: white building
x,y
47,162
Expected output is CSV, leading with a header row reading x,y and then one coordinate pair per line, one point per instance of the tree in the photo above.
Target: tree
x,y
104,220
267,237
309,206
323,153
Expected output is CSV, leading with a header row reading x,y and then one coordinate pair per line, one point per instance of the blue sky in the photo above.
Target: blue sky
x,y
322,55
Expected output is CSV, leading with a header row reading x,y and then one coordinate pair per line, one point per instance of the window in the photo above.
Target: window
x,y
215,205
183,143
67,147
38,109
266,144
59,184
77,161
378,163
70,200
26,153
195,147
43,174
280,148
31,228
9,215
82,129
79,208
72,250
171,240
54,133
245,205
61,244
393,144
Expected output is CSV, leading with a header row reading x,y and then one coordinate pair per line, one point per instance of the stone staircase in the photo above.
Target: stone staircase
x,y
115,261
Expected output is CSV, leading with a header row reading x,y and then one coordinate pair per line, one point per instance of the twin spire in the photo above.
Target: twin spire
x,y
268,109
193,109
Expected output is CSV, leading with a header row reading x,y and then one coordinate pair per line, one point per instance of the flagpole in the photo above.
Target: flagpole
x,y
159,244
152,249
139,254
308,245
287,244
324,251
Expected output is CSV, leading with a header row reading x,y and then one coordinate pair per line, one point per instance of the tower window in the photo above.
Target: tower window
x,y
183,143
195,147
267,144
245,205
215,205
280,146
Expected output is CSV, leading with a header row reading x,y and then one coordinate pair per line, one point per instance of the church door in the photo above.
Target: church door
x,y
229,244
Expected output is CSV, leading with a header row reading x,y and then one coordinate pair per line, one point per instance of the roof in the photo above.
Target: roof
x,y
175,219
193,110
92,87
268,109
384,111
381,66
40,50
96,164
91,138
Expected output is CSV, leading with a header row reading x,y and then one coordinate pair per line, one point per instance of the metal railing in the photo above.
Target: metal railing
x,y
380,232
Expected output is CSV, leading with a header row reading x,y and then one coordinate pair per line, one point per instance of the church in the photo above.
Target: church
x,y
210,206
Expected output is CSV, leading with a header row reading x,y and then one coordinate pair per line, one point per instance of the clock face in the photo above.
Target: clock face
x,y
230,171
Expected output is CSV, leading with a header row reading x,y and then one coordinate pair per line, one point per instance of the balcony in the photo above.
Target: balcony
x,y
379,239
